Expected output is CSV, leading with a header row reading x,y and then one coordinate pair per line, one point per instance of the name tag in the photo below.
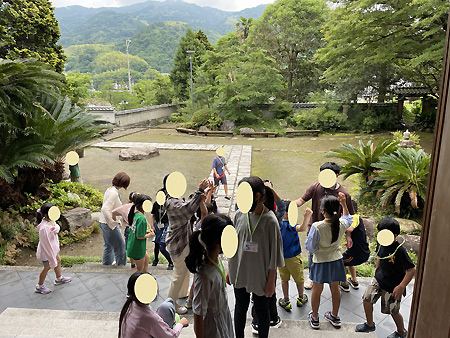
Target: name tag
x,y
160,225
251,246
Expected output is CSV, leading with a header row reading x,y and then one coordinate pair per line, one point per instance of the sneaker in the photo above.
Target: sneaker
x,y
255,328
395,334
188,304
227,197
170,267
313,321
154,263
285,304
335,321
181,310
275,324
308,284
344,286
62,280
302,301
133,266
365,328
354,285
42,289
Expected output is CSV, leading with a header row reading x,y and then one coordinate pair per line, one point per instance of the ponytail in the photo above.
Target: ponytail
x,y
330,204
123,313
131,214
197,253
205,239
43,211
269,199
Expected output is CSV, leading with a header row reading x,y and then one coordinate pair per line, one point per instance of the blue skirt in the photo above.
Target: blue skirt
x,y
328,272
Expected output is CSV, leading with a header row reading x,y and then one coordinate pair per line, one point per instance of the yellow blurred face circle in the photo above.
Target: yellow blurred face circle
x,y
176,184
72,158
221,151
244,197
160,198
147,206
385,237
229,241
146,288
292,213
54,213
327,178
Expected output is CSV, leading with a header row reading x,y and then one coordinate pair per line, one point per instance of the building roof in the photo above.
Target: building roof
x,y
413,91
100,108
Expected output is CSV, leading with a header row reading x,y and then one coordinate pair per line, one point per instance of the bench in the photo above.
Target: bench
x,y
186,131
259,133
215,132
296,132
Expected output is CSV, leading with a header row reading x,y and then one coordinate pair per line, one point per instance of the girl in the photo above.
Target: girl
x,y
114,245
253,268
137,320
160,223
48,249
137,239
123,212
327,267
212,317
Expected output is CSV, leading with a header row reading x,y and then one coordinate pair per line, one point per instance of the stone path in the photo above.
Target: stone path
x,y
239,159
106,292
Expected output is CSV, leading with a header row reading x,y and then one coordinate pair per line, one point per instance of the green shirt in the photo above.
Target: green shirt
x,y
136,247
74,171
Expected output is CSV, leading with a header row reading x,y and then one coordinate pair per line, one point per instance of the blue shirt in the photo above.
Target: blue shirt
x,y
291,243
219,163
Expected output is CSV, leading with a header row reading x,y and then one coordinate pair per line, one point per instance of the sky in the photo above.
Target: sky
x,y
225,5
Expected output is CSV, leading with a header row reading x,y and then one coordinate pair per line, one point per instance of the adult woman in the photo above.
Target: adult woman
x,y
114,245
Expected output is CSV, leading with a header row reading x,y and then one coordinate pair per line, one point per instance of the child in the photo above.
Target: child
x,y
292,259
137,239
123,212
327,267
160,223
358,253
212,317
259,253
394,272
137,320
48,249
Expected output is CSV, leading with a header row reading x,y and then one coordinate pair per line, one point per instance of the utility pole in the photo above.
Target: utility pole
x,y
190,52
128,61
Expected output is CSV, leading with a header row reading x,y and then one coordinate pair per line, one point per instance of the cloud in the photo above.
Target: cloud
x,y
225,5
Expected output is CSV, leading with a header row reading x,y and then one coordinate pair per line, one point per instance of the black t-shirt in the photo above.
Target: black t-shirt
x,y
158,211
360,246
392,270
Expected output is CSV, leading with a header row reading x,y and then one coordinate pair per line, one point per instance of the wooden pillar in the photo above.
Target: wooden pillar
x,y
400,102
430,310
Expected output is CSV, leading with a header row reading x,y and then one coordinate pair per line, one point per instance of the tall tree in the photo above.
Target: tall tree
x,y
29,29
180,74
243,27
289,32
372,43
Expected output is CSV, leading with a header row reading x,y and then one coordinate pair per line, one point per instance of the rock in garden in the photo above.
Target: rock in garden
x,y
407,226
95,215
283,123
263,129
203,128
290,129
75,219
412,242
407,144
73,196
137,154
246,130
227,125
369,224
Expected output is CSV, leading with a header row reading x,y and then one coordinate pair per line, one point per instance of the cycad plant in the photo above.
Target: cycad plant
x,y
361,160
404,171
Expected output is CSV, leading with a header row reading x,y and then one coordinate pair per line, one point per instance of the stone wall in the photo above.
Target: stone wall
x,y
145,115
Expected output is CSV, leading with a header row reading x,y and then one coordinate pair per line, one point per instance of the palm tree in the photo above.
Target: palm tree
x,y
243,26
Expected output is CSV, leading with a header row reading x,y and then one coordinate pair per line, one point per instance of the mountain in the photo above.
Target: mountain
x,y
109,25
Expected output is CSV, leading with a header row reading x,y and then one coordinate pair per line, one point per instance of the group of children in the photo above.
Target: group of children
x,y
265,244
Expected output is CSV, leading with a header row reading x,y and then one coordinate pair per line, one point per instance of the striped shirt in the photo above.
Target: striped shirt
x,y
180,212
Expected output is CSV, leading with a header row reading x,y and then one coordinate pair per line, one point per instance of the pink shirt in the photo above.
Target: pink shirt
x,y
142,322
48,246
123,211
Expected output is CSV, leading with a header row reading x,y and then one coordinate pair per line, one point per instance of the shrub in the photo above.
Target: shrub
x,y
404,171
424,120
206,117
59,195
397,136
282,109
362,160
321,118
379,120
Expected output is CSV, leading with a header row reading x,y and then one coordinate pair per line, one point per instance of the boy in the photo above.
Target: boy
x,y
358,253
292,259
219,166
394,272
